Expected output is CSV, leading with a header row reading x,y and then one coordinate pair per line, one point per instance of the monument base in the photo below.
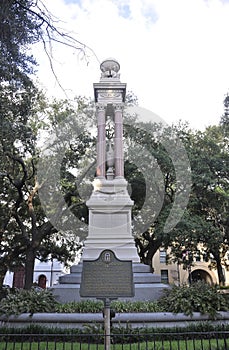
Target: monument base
x,y
147,285
110,221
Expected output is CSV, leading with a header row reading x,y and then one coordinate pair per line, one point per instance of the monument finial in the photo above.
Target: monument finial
x,y
110,67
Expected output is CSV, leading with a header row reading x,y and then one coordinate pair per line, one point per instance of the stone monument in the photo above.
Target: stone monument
x,y
110,204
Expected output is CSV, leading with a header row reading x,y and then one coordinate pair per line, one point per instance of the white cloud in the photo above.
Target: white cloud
x,y
173,54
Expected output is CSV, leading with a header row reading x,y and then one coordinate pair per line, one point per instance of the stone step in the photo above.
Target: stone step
x,y
143,291
137,267
76,268
141,274
138,278
70,279
146,278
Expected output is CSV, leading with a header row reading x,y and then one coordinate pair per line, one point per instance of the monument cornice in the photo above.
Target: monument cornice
x,y
108,88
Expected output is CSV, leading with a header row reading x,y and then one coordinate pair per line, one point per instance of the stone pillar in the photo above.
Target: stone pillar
x,y
119,162
101,141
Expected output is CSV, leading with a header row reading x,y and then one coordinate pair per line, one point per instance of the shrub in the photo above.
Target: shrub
x,y
87,329
80,306
117,306
136,306
198,297
27,301
3,292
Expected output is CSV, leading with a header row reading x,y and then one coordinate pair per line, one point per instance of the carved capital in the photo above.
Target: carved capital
x,y
100,107
118,107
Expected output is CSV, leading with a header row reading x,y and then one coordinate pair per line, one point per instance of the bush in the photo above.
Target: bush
x,y
87,329
4,291
117,306
27,301
199,297
136,306
80,306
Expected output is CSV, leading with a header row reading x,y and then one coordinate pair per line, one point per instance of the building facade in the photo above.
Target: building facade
x,y
46,274
176,274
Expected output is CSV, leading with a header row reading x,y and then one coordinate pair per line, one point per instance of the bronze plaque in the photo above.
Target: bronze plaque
x,y
107,277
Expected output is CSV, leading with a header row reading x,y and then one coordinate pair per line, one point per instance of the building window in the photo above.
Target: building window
x,y
164,276
197,256
42,281
162,256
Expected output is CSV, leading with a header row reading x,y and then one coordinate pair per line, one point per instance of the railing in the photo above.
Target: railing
x,y
137,341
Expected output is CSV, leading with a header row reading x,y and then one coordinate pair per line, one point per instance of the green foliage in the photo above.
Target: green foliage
x,y
117,306
135,306
203,229
199,297
81,306
3,292
25,231
41,329
17,30
24,301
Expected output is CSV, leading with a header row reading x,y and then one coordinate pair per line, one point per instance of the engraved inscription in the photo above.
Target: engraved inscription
x,y
107,277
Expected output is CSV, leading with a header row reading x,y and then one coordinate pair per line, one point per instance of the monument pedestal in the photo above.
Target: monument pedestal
x,y
147,285
110,221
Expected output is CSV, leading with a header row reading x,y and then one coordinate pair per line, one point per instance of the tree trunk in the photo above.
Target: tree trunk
x,y
29,268
147,250
3,271
152,249
220,270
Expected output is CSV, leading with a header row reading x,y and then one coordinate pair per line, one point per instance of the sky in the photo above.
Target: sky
x,y
173,54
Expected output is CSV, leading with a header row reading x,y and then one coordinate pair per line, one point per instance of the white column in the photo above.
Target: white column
x,y
119,162
101,141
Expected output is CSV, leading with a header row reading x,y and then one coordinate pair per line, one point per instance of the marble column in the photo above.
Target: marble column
x,y
119,162
101,141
